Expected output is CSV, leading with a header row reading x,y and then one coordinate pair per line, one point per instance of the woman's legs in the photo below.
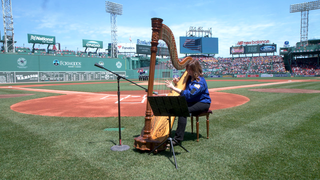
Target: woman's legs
x,y
182,121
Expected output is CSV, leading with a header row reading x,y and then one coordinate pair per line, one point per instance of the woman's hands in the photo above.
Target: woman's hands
x,y
171,86
175,81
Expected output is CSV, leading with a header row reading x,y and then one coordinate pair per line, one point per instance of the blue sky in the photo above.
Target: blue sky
x,y
231,21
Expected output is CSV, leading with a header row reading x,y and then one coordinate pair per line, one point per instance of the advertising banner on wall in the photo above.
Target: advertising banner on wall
x,y
268,48
126,47
163,51
251,49
253,42
92,43
237,50
41,39
266,75
144,49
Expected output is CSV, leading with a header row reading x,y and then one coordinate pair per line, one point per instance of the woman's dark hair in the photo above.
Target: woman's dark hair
x,y
196,68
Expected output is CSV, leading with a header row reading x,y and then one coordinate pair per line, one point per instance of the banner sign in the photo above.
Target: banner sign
x,y
163,51
92,43
281,75
27,76
41,39
251,49
241,76
253,75
143,49
148,43
126,47
309,76
268,48
237,50
266,75
240,43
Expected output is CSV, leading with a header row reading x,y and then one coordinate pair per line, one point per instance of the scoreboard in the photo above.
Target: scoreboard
x,y
252,49
199,45
262,48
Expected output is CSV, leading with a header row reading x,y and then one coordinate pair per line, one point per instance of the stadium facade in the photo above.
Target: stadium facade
x,y
40,65
303,55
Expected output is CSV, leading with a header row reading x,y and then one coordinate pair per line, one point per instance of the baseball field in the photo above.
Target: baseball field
x,y
261,128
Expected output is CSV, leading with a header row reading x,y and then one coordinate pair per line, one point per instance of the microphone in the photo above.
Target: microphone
x,y
156,93
98,65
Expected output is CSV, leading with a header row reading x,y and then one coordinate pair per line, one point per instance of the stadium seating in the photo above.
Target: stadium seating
x,y
243,65
23,50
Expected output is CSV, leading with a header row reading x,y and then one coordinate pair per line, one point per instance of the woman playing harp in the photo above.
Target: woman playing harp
x,y
196,94
156,129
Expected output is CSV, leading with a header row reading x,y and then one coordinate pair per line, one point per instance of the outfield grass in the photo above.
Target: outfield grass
x,y
273,136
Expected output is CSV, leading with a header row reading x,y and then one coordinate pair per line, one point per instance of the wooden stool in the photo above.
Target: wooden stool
x,y
206,113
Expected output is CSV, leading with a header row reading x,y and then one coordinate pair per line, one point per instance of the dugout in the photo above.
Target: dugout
x,y
304,55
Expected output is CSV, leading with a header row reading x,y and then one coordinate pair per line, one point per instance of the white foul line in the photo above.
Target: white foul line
x,y
123,98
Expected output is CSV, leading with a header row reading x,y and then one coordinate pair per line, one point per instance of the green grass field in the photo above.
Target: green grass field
x,y
273,136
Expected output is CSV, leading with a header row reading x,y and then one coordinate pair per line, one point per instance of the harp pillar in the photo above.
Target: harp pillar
x,y
144,141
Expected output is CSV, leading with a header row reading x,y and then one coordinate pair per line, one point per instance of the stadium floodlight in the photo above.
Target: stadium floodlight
x,y
199,32
114,9
8,26
313,5
304,8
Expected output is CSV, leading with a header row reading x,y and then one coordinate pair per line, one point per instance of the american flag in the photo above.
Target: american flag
x,y
192,44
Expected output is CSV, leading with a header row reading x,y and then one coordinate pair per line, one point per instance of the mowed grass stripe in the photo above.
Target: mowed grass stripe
x,y
238,136
273,136
40,146
28,154
292,152
266,137
297,85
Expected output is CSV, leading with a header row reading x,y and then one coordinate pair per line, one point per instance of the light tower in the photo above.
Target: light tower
x,y
193,31
304,8
8,26
114,9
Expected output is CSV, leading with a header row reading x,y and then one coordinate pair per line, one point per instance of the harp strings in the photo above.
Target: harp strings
x,y
171,64
161,72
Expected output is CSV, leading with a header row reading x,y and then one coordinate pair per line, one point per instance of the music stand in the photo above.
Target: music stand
x,y
169,106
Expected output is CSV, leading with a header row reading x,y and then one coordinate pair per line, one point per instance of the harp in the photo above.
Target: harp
x,y
156,129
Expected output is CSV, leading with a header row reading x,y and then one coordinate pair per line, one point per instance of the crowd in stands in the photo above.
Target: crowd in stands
x,y
241,65
305,67
307,47
168,64
305,71
216,66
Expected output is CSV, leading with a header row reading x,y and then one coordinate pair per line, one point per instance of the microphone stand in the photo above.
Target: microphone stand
x,y
120,147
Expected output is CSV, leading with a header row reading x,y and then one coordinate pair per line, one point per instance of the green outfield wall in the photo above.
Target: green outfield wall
x,y
15,68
